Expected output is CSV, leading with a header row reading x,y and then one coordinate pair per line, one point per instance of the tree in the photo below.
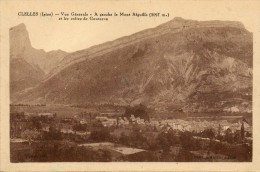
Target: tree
x,y
100,135
163,142
124,139
229,136
237,137
140,111
219,130
136,139
208,133
80,127
188,142
36,124
242,131
53,134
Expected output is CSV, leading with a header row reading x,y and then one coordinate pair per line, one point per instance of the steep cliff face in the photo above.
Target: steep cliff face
x,y
20,47
195,66
19,41
28,66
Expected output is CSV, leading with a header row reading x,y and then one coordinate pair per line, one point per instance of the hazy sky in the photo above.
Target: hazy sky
x,y
50,34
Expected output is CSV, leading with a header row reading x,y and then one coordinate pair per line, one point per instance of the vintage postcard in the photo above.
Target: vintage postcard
x,y
130,85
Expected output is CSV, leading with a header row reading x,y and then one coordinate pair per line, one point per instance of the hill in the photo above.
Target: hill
x,y
23,75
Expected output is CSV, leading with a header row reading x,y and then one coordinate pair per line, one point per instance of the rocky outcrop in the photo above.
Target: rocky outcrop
x,y
20,47
19,41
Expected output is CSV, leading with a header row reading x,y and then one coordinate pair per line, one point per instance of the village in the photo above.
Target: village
x,y
195,125
132,135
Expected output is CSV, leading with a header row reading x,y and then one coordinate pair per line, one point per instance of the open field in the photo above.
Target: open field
x,y
61,110
111,146
64,111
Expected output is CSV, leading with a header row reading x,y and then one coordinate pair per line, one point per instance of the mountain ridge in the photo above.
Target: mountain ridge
x,y
175,25
171,70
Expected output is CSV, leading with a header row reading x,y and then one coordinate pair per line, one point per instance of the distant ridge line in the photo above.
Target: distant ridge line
x,y
100,49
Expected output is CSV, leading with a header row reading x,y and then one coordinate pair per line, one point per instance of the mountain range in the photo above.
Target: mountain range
x,y
195,66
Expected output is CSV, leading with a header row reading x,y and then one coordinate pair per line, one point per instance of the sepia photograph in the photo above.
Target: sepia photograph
x,y
135,84
181,91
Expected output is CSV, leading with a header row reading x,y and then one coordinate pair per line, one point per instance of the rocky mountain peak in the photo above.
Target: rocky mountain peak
x,y
20,47
19,40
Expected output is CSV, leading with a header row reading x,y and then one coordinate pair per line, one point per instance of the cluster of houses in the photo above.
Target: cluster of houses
x,y
20,121
180,124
